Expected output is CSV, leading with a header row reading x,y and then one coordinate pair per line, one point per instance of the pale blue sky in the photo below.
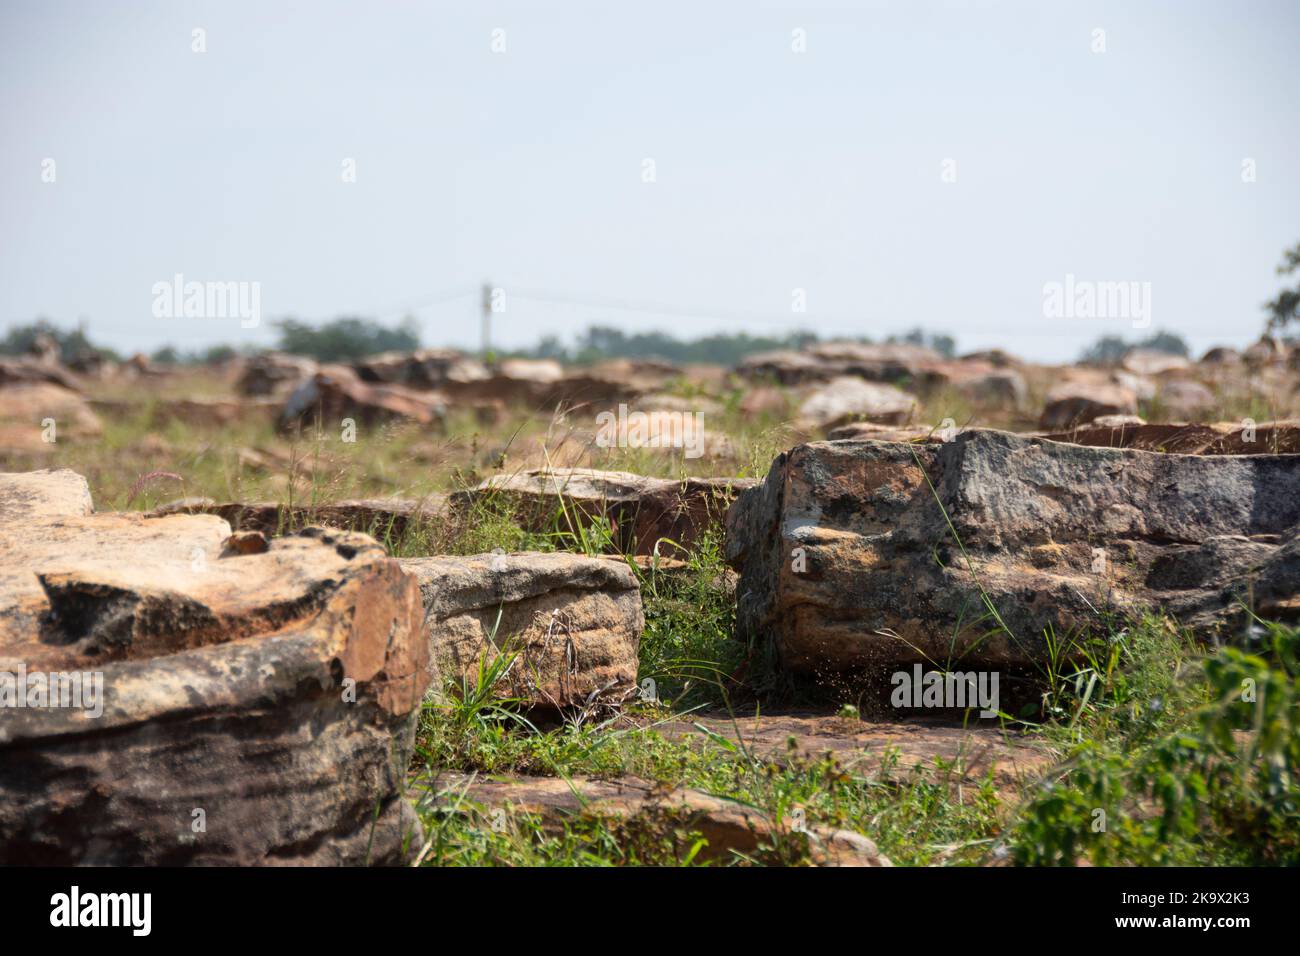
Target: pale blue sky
x,y
775,170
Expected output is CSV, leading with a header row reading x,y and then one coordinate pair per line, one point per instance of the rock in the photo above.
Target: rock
x,y
383,518
1221,355
335,393
1152,362
574,622
784,367
846,399
1185,400
997,388
1222,438
427,369
274,374
866,431
642,510
543,371
270,695
1267,351
730,828
1055,534
889,748
1075,402
765,400
27,410
29,370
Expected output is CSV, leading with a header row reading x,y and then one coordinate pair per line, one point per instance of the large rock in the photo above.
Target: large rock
x,y
336,392
642,510
29,409
274,374
1185,400
847,399
1221,438
847,560
256,699
1078,402
732,831
383,518
422,369
573,623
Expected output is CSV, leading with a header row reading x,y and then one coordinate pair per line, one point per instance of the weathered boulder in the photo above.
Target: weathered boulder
x,y
1185,400
1152,362
274,373
867,431
1076,402
641,510
573,623
335,393
733,831
1221,438
422,369
222,700
29,369
383,518
847,559
34,416
847,399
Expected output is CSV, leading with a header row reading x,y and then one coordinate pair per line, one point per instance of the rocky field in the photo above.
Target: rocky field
x,y
852,605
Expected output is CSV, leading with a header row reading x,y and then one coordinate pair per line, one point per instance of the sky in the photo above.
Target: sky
x,y
688,167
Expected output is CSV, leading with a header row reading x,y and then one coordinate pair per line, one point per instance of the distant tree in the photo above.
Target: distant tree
x,y
945,345
216,353
72,343
167,355
1285,308
1106,350
1165,342
345,338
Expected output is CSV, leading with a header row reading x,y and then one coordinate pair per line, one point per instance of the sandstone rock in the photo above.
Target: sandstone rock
x,y
1185,400
335,393
730,827
428,369
765,400
29,370
880,579
867,431
1222,438
26,409
531,370
786,367
642,510
1075,402
272,692
574,622
274,373
890,748
1152,362
1222,355
846,399
995,389
382,518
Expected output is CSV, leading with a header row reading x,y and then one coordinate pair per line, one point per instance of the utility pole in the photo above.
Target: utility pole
x,y
485,323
